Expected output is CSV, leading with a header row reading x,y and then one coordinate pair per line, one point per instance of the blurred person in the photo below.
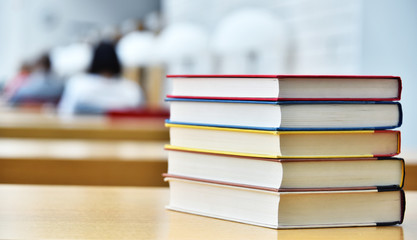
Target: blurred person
x,y
40,86
101,89
17,81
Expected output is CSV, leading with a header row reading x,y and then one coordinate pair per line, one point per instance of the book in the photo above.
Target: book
x,y
181,223
286,87
284,144
288,174
273,209
290,115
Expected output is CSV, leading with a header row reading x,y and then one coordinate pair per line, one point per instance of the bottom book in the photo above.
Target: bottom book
x,y
287,209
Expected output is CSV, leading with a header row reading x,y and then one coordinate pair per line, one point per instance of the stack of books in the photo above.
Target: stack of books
x,y
287,151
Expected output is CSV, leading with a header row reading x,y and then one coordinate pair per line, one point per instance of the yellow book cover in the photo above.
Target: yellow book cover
x,y
284,144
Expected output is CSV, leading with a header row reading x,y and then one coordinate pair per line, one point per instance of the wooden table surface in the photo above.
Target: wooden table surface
x,y
15,124
82,162
75,212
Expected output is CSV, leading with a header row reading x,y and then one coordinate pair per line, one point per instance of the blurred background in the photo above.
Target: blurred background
x,y
51,52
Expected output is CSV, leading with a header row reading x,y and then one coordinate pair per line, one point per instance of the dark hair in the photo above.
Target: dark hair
x,y
43,62
105,60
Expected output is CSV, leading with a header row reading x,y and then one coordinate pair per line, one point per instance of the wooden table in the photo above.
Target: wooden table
x,y
16,124
410,158
82,162
74,212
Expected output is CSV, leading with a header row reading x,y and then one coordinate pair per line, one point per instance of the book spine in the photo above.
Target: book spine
x,y
400,87
399,143
403,202
387,223
388,188
400,115
403,173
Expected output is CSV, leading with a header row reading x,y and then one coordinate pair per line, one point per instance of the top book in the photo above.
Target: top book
x,y
287,87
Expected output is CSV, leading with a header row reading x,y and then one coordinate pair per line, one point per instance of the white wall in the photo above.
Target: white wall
x,y
390,47
324,35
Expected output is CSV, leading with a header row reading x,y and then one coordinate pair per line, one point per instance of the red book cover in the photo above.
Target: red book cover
x,y
312,77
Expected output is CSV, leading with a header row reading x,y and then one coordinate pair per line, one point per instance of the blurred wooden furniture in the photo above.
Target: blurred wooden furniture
x,y
41,148
15,124
151,79
74,212
410,176
410,159
82,162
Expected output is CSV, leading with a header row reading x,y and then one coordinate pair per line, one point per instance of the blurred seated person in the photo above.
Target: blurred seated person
x,y
40,86
101,89
17,81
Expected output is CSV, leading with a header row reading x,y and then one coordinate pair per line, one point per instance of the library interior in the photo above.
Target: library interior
x,y
194,119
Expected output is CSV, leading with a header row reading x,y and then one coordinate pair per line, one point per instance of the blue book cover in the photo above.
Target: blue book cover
x,y
217,122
